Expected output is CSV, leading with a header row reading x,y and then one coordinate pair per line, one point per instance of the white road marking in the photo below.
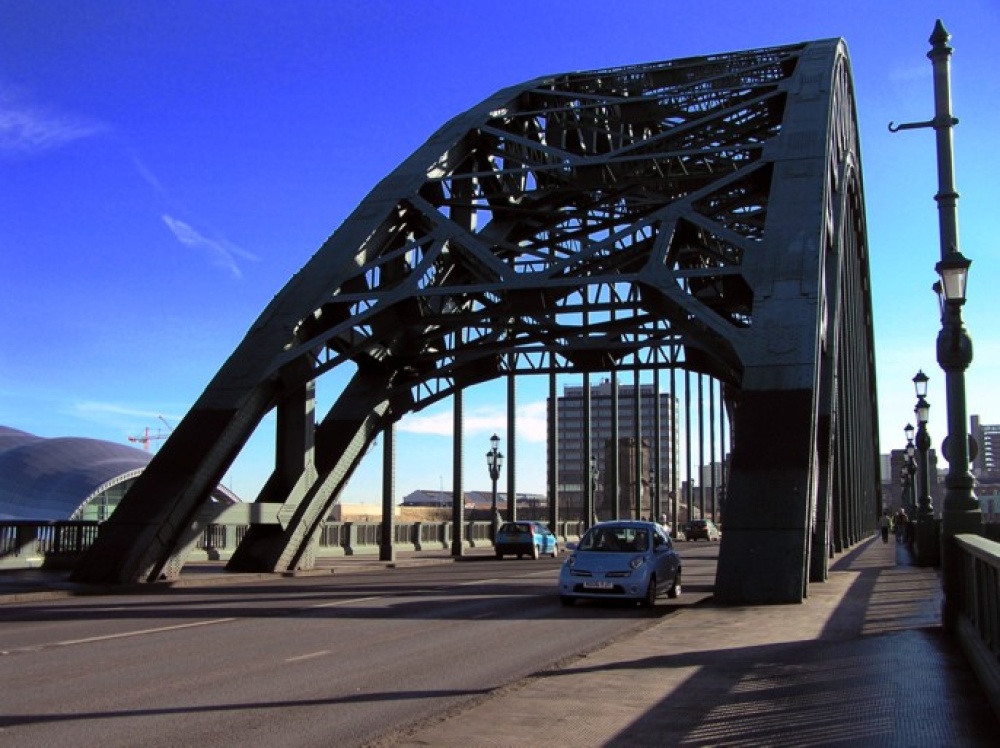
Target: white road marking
x,y
143,632
344,602
308,656
495,580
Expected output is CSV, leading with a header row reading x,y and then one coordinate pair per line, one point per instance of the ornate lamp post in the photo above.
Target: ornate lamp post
x,y
910,469
494,462
926,546
961,513
954,346
594,475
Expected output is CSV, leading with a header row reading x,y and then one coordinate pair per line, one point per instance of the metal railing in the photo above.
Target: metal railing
x,y
30,545
978,624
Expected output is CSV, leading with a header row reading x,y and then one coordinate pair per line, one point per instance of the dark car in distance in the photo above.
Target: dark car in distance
x,y
697,529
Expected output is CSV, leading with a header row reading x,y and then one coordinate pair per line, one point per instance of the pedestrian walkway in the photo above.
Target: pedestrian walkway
x,y
863,662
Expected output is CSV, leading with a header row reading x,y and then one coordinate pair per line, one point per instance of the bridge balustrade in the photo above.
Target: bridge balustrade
x,y
30,544
978,625
27,544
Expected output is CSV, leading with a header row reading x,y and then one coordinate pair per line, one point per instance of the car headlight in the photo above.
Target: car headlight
x,y
637,561
571,561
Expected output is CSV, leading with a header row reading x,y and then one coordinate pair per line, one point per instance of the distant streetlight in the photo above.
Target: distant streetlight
x,y
910,470
594,475
494,462
927,552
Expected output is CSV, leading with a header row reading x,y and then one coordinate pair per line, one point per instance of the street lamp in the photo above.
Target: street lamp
x,y
594,475
926,550
910,468
961,513
954,272
494,462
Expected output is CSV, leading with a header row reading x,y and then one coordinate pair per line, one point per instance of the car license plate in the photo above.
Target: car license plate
x,y
598,585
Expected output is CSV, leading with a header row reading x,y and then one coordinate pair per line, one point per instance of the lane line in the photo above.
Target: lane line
x,y
345,602
212,622
308,656
143,632
494,580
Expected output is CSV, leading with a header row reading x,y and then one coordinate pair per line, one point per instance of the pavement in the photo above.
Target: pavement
x,y
862,662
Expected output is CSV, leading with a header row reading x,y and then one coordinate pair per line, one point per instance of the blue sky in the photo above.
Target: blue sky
x,y
166,167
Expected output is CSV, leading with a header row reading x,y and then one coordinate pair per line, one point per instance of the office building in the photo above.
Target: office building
x,y
574,465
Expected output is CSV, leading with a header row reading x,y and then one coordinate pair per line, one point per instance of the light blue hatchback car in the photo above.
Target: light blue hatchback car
x,y
525,538
621,560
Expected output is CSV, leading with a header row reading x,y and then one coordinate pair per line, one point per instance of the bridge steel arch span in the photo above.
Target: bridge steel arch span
x,y
703,213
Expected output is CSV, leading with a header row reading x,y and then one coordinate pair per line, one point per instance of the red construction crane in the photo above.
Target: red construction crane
x,y
146,437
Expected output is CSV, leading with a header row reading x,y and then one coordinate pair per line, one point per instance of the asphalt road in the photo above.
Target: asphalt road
x,y
337,660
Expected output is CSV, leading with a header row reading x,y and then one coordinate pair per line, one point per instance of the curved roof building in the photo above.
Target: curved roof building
x,y
68,478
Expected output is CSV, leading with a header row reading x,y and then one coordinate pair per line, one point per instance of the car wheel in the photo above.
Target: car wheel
x,y
535,552
650,599
567,601
555,551
675,589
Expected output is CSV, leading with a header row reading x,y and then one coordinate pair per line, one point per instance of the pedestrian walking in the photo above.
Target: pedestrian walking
x,y
899,524
884,525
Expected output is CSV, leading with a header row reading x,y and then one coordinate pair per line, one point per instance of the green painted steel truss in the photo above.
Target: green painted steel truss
x,y
702,213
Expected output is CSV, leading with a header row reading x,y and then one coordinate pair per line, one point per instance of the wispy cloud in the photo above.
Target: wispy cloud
x,y
221,252
125,419
28,130
145,172
530,422
912,72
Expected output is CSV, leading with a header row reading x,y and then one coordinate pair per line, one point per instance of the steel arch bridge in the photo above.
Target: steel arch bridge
x,y
704,214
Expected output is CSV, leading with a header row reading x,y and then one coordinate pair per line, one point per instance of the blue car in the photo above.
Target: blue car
x,y
525,538
621,560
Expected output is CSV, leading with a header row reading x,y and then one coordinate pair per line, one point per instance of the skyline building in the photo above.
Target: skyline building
x,y
986,464
635,479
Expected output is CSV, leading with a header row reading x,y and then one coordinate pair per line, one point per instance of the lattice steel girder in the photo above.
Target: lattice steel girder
x,y
672,214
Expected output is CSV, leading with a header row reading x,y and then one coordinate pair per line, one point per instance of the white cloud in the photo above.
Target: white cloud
x,y
910,72
27,130
223,253
530,420
94,408
145,173
126,420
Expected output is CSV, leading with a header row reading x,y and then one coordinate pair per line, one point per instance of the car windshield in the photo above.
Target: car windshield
x,y
515,528
615,540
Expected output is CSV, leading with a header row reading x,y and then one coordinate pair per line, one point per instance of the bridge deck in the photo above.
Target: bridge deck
x,y
863,661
